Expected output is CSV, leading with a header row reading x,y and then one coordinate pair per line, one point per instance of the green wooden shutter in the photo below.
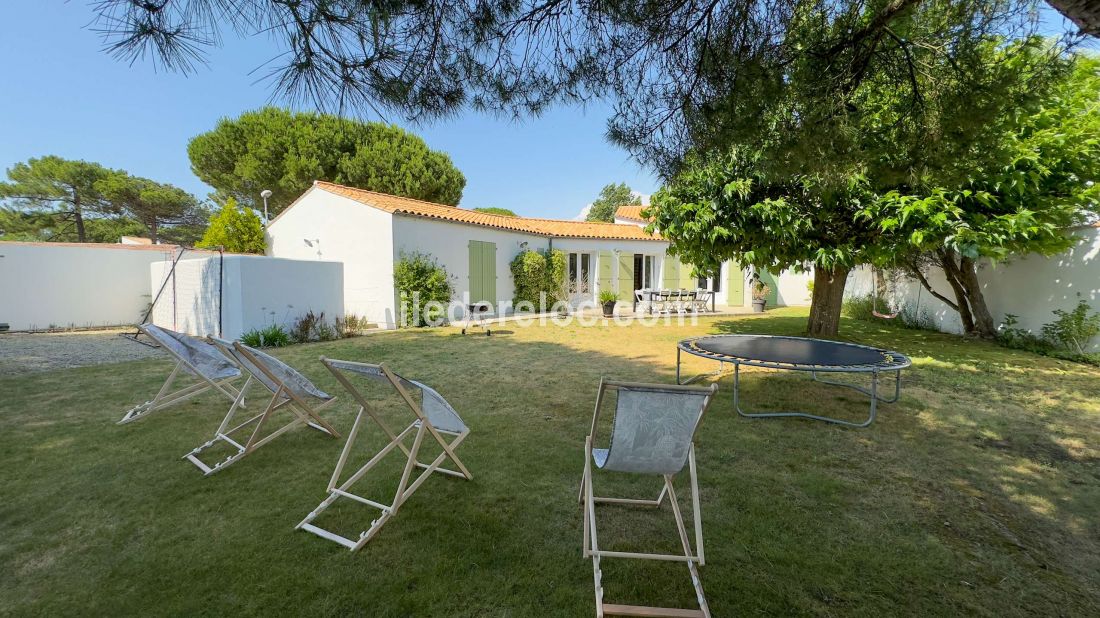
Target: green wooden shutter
x,y
770,279
735,285
605,271
626,277
687,282
483,272
670,273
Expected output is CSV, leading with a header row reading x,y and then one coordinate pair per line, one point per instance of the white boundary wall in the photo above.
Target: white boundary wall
x,y
256,292
325,226
77,285
1029,287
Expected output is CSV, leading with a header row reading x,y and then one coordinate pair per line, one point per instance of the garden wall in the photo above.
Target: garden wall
x,y
255,292
77,285
1029,287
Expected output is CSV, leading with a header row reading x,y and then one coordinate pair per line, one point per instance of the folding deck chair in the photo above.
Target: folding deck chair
x,y
193,356
289,389
432,415
652,433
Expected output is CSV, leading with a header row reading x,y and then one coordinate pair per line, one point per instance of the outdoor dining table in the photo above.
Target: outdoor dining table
x,y
685,299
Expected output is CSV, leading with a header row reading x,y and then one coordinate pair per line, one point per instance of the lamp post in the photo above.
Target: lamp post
x,y
266,193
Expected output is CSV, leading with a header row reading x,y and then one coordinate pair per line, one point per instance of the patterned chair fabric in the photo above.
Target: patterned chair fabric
x,y
652,431
199,354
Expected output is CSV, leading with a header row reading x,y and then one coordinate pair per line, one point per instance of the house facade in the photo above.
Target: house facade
x,y
370,231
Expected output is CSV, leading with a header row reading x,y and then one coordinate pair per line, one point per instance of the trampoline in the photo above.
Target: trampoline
x,y
816,356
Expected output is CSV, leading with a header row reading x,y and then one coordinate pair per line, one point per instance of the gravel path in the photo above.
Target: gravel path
x,y
28,353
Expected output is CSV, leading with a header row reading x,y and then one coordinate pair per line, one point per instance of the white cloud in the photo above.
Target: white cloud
x,y
583,214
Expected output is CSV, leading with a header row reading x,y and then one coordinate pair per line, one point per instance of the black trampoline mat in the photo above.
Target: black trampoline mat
x,y
769,349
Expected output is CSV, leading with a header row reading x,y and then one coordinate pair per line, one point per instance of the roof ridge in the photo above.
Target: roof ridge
x,y
485,214
400,197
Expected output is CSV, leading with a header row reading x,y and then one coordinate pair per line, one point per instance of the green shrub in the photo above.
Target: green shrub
x,y
237,229
536,273
425,289
312,327
268,337
863,307
1073,329
351,326
607,296
859,307
1070,325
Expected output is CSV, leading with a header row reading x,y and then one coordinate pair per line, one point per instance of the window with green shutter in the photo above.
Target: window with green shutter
x,y
735,288
626,277
606,268
670,273
483,272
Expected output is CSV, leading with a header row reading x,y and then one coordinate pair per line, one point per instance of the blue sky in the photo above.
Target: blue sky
x,y
62,95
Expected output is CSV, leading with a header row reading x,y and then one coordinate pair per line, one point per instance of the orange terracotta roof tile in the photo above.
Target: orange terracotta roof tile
x,y
543,227
634,213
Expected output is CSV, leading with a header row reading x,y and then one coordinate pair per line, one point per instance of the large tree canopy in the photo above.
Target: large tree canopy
x,y
432,59
611,197
68,190
285,152
159,207
1026,172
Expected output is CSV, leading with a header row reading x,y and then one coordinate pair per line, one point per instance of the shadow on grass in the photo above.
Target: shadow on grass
x,y
946,505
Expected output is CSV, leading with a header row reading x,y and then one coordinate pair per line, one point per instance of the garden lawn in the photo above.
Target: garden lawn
x,y
978,493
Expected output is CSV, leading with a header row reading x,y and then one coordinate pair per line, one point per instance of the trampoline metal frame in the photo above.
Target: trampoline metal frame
x,y
893,362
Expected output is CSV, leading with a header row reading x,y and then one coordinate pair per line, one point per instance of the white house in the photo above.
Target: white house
x,y
369,231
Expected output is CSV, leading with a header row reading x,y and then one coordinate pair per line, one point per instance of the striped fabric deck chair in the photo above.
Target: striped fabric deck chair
x,y
431,415
652,433
289,389
193,356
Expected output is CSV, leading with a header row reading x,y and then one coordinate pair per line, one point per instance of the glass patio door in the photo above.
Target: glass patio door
x,y
579,278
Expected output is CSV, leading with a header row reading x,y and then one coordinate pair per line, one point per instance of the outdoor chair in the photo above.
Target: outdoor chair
x,y
430,416
702,299
289,390
652,434
663,300
193,356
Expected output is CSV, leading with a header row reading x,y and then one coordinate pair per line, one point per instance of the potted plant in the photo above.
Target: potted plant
x,y
760,291
608,300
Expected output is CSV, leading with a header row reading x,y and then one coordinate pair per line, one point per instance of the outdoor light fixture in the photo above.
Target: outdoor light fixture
x,y
266,193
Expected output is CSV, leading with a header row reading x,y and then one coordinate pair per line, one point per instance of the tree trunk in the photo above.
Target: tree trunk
x,y
828,298
962,303
78,219
984,325
1084,13
153,230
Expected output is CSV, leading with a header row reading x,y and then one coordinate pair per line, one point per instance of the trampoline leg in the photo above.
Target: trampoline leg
x,y
677,365
855,387
870,418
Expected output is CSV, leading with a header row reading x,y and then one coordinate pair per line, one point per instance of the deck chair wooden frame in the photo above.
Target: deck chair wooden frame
x,y
282,396
692,558
420,427
166,398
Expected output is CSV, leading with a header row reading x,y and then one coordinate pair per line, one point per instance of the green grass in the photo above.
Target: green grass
x,y
978,493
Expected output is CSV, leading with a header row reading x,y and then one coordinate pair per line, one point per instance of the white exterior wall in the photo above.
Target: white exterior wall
x,y
1030,287
794,290
343,230
63,286
448,243
256,292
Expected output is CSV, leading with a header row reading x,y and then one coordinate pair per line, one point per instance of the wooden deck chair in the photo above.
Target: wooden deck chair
x,y
652,433
289,389
195,357
432,415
